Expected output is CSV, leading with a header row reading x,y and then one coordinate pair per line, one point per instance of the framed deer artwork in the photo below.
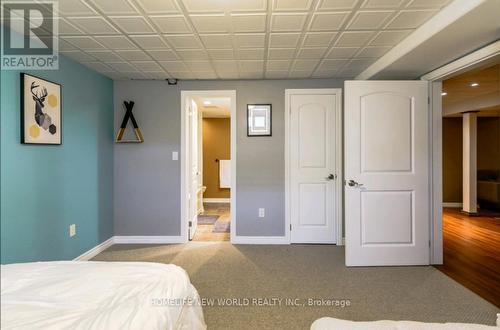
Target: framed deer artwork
x,y
41,111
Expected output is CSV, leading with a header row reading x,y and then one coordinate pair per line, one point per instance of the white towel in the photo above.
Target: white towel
x,y
225,173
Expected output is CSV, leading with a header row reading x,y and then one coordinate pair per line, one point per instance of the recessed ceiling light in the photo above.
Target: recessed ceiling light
x,y
444,93
207,102
474,84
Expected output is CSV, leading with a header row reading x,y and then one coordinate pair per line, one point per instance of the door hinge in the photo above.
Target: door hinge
x,y
290,227
428,100
190,223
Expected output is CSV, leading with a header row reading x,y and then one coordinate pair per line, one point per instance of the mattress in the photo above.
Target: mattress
x,y
98,295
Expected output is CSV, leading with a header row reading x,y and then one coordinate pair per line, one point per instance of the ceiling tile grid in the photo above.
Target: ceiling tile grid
x,y
236,39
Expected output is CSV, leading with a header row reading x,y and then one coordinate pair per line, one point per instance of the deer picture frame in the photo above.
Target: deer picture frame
x,y
41,111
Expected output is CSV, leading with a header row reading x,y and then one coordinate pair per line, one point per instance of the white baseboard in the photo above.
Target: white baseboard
x,y
260,240
95,250
216,200
148,239
451,204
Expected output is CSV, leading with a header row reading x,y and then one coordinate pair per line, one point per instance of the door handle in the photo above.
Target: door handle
x,y
331,177
352,183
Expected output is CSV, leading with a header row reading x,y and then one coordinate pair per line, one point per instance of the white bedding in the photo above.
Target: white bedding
x,y
98,295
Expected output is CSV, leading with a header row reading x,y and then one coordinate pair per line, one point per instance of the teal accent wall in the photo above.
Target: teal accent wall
x,y
44,189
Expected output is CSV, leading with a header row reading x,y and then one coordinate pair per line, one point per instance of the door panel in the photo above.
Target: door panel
x,y
387,159
312,160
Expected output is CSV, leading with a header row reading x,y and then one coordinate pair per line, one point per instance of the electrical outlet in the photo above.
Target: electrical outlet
x,y
72,230
262,212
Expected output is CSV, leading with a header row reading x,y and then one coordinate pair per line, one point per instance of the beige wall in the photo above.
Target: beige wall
x,y
488,153
452,160
216,145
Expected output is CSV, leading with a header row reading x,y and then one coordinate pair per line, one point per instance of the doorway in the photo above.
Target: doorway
x,y
208,165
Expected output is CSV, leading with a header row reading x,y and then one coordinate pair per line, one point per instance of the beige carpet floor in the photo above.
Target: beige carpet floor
x,y
222,270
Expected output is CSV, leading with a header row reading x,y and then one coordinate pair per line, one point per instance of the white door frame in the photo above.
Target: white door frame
x,y
338,157
479,57
185,97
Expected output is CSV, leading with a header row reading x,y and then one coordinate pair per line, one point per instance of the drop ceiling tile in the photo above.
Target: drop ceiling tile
x,y
225,66
373,51
163,55
410,19
98,66
147,42
84,42
330,64
382,4
271,74
115,7
278,65
288,22
134,75
158,7
199,65
133,55
122,66
171,23
146,66
133,24
184,41
361,63
174,66
249,40
318,39
327,21
116,42
204,5
284,5
159,75
277,40
105,56
215,23
221,54
78,55
64,45
228,74
353,38
342,52
325,73
66,28
248,22
305,65
250,53
205,75
216,41
192,54
428,3
251,66
348,73
252,75
280,53
311,53
75,8
93,25
300,74
337,4
369,20
389,38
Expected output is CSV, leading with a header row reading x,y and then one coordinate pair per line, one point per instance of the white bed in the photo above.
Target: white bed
x,y
98,295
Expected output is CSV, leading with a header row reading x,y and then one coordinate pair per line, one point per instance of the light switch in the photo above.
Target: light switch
x,y
175,155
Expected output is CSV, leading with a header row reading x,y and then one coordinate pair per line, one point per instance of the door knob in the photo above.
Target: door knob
x,y
352,183
331,177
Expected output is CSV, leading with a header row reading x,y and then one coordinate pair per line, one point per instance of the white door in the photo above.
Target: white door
x,y
313,172
386,173
194,169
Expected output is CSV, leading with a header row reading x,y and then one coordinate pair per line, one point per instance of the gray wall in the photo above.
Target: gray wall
x,y
147,180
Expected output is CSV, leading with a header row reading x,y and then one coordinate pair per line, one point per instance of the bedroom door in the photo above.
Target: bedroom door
x,y
313,144
386,173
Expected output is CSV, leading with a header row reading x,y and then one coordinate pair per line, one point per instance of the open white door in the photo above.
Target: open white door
x,y
194,170
387,173
314,171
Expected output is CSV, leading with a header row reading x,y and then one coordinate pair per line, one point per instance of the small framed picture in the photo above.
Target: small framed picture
x,y
259,121
41,111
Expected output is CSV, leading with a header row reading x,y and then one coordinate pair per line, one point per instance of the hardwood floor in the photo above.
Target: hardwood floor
x,y
472,252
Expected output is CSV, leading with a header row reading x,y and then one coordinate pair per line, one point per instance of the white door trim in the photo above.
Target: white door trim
x,y
467,62
185,96
338,157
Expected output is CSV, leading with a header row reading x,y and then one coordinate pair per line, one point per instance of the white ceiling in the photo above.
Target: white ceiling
x,y
236,39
